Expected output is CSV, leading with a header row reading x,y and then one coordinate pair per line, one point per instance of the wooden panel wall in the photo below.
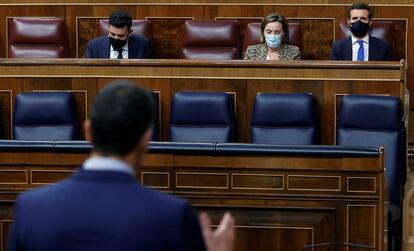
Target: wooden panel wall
x,y
280,202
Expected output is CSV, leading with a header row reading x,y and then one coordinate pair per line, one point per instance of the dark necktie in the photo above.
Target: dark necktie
x,y
360,56
120,54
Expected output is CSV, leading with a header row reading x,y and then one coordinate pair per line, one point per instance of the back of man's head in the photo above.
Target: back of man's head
x,y
120,19
121,115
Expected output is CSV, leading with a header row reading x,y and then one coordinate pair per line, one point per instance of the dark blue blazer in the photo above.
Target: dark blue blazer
x,y
138,47
103,210
379,50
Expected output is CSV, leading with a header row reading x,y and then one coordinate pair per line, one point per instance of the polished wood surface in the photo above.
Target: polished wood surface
x,y
280,201
328,81
175,2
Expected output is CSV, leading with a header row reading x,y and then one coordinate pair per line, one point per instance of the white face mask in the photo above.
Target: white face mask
x,y
273,41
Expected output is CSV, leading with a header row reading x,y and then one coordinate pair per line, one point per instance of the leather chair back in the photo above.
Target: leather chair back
x,y
202,117
44,116
213,39
254,35
285,119
374,121
380,29
37,38
139,27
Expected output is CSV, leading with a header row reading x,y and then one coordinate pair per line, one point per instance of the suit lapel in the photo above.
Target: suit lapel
x,y
348,49
131,47
372,55
106,48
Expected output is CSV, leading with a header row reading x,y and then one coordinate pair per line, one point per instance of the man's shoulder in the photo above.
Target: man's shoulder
x,y
41,194
342,41
157,197
138,38
98,40
44,195
378,41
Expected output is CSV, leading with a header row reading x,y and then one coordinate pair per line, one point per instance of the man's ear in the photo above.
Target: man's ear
x,y
88,130
349,21
130,32
143,142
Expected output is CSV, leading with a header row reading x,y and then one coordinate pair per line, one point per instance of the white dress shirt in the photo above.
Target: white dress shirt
x,y
355,47
114,54
98,163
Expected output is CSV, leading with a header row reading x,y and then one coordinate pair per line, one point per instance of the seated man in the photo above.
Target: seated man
x,y
120,42
360,46
102,207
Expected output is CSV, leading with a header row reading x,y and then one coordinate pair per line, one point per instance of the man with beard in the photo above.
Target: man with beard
x,y
120,42
360,46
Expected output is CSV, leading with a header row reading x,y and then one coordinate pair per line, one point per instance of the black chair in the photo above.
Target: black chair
x,y
202,117
285,119
374,121
44,116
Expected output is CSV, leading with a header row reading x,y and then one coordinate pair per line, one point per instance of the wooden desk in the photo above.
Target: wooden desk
x,y
283,197
328,81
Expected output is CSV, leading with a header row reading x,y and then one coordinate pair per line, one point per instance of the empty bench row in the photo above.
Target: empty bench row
x,y
277,118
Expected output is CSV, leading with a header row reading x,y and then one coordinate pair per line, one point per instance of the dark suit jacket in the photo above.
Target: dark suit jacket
x,y
103,210
138,47
379,50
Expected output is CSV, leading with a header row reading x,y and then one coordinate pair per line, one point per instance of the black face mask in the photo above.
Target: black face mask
x,y
359,28
117,44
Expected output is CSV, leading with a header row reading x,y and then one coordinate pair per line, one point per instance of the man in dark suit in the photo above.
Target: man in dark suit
x,y
360,46
120,42
102,207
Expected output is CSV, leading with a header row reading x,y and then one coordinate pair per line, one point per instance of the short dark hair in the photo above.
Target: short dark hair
x,y
360,6
276,17
121,114
120,19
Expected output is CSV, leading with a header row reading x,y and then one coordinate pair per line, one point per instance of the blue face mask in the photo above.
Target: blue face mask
x,y
273,41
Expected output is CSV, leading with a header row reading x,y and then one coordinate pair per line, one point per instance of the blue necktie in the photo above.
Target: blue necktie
x,y
360,56
120,54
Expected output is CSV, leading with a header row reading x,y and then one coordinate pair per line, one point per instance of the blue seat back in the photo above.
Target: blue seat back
x,y
374,121
44,116
286,119
156,132
202,117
